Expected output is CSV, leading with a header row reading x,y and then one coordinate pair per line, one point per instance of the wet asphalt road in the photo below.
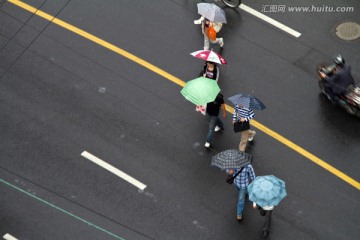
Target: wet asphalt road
x,y
62,94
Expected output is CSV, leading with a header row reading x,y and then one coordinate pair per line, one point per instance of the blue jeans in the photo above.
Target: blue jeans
x,y
213,122
241,201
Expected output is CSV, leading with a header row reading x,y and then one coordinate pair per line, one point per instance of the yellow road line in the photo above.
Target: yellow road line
x,y
178,81
97,40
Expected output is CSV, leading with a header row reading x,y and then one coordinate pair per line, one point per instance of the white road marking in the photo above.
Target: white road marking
x,y
270,20
114,170
9,237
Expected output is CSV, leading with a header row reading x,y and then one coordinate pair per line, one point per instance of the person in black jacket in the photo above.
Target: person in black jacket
x,y
212,112
338,83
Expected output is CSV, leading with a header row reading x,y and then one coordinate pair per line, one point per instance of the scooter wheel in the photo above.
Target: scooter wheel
x,y
351,110
232,3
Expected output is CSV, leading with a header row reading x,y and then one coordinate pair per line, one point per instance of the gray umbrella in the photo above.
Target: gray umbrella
x,y
231,159
211,12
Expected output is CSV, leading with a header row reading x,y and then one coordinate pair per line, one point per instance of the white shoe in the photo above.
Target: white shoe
x,y
207,144
222,42
197,21
251,138
217,129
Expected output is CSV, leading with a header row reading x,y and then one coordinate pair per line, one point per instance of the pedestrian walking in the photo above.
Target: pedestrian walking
x,y
212,113
241,182
210,70
265,211
266,192
209,30
242,114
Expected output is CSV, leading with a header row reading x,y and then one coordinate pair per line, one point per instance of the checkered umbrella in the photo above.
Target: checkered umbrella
x,y
247,101
231,159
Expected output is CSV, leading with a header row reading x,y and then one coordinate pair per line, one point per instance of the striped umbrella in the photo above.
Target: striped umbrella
x,y
247,101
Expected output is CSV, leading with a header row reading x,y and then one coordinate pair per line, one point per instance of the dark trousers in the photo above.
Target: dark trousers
x,y
266,227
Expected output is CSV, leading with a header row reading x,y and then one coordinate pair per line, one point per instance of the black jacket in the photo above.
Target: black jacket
x,y
341,80
213,108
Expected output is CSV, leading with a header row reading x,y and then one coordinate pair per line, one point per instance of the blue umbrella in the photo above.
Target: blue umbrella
x,y
266,190
247,101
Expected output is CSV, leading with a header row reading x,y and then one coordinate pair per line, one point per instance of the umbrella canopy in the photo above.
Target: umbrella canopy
x,y
201,90
231,159
209,55
247,101
266,190
211,12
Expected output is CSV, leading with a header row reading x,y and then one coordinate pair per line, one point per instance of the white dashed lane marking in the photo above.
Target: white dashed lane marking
x,y
113,170
270,20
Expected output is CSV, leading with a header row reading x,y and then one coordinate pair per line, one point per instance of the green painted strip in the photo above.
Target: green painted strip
x,y
62,210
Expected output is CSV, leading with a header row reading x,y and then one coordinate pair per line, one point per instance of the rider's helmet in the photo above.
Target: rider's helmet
x,y
338,59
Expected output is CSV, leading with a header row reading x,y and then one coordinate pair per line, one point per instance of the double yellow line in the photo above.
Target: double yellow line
x,y
178,81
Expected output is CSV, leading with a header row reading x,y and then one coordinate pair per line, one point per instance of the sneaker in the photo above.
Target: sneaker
x,y
197,21
207,144
239,218
217,129
251,138
222,42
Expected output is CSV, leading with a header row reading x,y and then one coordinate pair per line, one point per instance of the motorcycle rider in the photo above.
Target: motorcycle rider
x,y
338,83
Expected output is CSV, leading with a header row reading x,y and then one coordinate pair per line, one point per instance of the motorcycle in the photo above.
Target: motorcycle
x,y
350,101
230,3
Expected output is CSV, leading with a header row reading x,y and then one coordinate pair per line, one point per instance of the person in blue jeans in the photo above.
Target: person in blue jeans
x,y
241,182
212,113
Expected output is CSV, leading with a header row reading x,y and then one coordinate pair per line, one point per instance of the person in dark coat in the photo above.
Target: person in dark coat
x,y
212,112
265,211
337,84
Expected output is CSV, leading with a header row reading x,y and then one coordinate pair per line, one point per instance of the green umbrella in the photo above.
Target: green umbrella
x,y
201,90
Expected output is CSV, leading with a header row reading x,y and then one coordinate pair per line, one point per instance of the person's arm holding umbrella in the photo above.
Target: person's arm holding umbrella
x,y
215,25
203,21
200,20
266,208
249,115
224,110
251,172
242,114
